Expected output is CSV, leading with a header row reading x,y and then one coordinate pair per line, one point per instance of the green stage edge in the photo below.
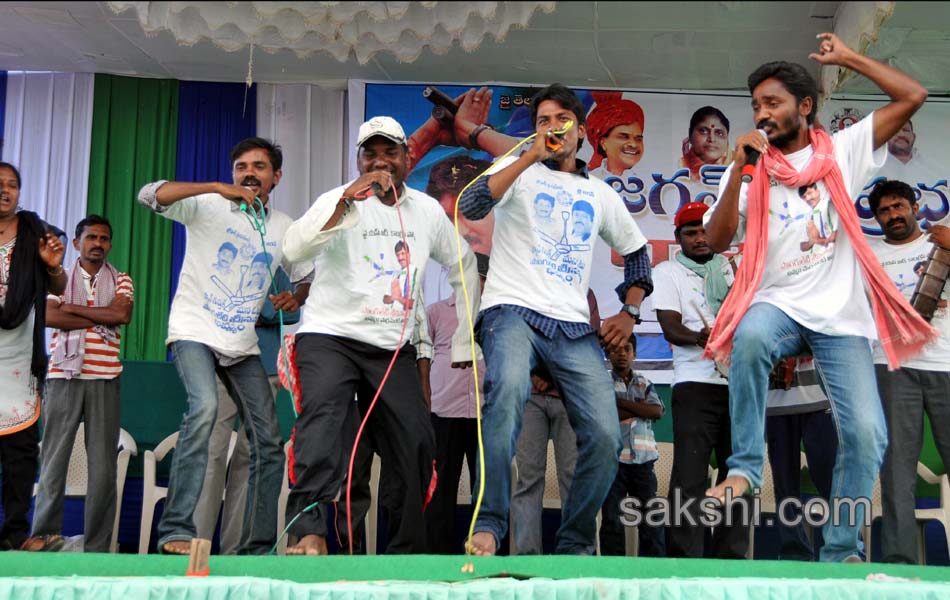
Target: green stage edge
x,y
326,569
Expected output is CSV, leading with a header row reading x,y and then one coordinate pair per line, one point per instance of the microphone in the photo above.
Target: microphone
x,y
375,188
752,158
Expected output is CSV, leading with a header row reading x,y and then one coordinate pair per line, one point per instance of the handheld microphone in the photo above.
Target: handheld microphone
x,y
375,188
555,137
752,158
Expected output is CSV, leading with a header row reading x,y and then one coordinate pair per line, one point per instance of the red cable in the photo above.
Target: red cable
x,y
359,433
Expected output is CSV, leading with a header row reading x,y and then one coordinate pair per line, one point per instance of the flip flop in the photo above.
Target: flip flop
x,y
44,543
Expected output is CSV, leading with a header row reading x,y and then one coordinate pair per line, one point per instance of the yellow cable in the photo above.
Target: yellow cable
x,y
471,332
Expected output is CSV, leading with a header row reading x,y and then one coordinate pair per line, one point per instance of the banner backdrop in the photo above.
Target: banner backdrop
x,y
657,149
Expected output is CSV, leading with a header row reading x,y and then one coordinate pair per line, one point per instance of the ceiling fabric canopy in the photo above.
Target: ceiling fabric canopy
x,y
338,28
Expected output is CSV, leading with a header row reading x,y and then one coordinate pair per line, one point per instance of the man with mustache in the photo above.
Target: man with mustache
x,y
786,302
688,291
83,385
356,237
211,332
921,385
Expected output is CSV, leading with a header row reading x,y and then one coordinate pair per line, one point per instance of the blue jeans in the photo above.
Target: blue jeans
x,y
846,369
512,350
248,386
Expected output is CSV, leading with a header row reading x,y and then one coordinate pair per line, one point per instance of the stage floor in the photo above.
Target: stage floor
x,y
128,576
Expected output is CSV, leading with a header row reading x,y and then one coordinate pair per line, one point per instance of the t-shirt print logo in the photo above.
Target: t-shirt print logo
x,y
581,219
818,230
251,286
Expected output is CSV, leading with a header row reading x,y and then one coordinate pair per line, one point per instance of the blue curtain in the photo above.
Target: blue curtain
x,y
212,118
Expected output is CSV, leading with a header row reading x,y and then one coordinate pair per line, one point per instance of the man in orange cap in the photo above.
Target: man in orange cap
x,y
688,291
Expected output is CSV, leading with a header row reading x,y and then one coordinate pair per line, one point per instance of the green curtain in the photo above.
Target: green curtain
x,y
134,142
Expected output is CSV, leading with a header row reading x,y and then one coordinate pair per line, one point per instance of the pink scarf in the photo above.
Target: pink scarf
x,y
902,332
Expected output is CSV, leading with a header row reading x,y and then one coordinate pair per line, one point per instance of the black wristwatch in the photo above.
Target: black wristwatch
x,y
633,310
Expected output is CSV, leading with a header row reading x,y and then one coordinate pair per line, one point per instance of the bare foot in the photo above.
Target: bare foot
x,y
738,484
311,545
177,547
482,544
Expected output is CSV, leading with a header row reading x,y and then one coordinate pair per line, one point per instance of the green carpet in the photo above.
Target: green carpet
x,y
442,568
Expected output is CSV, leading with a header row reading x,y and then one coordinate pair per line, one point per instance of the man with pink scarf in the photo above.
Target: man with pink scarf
x,y
83,385
790,301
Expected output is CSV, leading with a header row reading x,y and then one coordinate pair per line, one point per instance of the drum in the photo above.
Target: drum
x,y
931,283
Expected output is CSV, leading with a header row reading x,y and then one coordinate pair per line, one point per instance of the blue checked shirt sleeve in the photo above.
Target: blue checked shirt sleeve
x,y
651,397
476,202
636,273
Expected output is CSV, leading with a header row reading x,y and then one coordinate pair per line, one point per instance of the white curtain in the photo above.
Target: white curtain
x,y
309,124
46,135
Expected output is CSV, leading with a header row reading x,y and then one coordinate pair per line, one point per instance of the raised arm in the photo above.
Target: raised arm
x,y
906,94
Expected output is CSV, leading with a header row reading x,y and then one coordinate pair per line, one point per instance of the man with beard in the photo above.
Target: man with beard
x,y
786,302
688,291
921,384
349,333
211,331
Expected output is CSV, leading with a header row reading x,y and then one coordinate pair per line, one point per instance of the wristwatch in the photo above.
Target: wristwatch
x,y
633,310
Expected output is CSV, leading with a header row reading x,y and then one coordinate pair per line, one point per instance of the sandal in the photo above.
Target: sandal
x,y
44,543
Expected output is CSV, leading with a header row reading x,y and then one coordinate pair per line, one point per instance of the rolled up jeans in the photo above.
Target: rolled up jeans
x,y
845,367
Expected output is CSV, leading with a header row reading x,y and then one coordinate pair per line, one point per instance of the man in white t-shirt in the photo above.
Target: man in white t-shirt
x,y
807,300
688,291
358,237
537,314
211,331
922,384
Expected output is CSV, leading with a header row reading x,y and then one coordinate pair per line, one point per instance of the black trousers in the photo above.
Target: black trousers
x,y
332,370
455,439
784,435
700,426
19,460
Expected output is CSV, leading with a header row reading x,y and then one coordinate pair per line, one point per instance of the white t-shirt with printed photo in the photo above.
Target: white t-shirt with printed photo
x,y
811,271
362,286
225,277
901,262
679,289
546,226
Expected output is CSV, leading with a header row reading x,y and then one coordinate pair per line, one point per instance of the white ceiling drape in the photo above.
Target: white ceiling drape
x,y
338,28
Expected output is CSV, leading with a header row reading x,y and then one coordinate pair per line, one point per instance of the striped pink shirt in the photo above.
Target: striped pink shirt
x,y
101,360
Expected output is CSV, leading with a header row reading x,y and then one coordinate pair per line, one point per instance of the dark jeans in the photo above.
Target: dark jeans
x,y
784,435
455,439
635,481
906,394
19,461
700,425
332,370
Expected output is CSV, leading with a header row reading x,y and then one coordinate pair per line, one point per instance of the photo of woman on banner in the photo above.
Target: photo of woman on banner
x,y
707,142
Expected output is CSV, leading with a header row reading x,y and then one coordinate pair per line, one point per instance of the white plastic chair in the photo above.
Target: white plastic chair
x,y
941,513
152,492
77,473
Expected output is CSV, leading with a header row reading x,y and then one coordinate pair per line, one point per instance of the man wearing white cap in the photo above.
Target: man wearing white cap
x,y
362,237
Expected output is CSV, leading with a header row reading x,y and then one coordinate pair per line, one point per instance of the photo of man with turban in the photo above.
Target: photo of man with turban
x,y
615,131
